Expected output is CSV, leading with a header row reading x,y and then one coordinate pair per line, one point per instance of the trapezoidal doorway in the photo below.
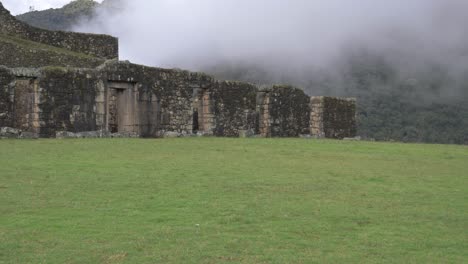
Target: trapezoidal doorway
x,y
121,108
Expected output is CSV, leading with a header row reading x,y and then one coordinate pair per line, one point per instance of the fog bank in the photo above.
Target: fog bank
x,y
296,36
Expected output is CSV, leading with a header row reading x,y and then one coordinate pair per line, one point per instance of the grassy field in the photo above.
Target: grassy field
x,y
211,200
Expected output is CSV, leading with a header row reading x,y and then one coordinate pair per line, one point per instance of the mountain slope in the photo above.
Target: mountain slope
x,y
61,18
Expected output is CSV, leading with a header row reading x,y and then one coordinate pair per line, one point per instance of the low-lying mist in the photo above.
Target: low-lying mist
x,y
310,43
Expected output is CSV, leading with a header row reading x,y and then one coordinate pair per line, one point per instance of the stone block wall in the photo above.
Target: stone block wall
x,y
284,111
174,92
159,101
67,100
234,108
51,100
333,117
101,46
167,94
6,97
152,102
317,106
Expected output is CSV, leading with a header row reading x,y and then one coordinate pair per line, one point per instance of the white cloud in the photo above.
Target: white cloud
x,y
185,33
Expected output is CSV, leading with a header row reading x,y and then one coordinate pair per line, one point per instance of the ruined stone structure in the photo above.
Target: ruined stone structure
x,y
59,83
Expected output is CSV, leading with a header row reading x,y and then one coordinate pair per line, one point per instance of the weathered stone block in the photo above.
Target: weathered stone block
x,y
9,132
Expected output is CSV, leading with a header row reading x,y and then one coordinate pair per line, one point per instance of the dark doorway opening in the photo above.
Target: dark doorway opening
x,y
195,125
114,109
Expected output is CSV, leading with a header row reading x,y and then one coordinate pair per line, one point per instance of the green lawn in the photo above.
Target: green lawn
x,y
213,200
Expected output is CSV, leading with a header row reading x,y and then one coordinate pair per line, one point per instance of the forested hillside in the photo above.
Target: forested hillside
x,y
424,105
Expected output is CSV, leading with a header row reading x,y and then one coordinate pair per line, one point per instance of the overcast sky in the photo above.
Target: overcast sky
x,y
22,6
280,35
187,33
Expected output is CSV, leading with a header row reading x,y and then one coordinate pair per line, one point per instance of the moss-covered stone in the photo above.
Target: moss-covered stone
x,y
6,103
234,105
101,46
333,117
16,52
284,111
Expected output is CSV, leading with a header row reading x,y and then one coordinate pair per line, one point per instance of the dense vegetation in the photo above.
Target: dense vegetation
x,y
217,200
421,107
425,106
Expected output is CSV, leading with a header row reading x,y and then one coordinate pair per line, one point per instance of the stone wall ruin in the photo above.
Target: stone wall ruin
x,y
75,92
120,97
